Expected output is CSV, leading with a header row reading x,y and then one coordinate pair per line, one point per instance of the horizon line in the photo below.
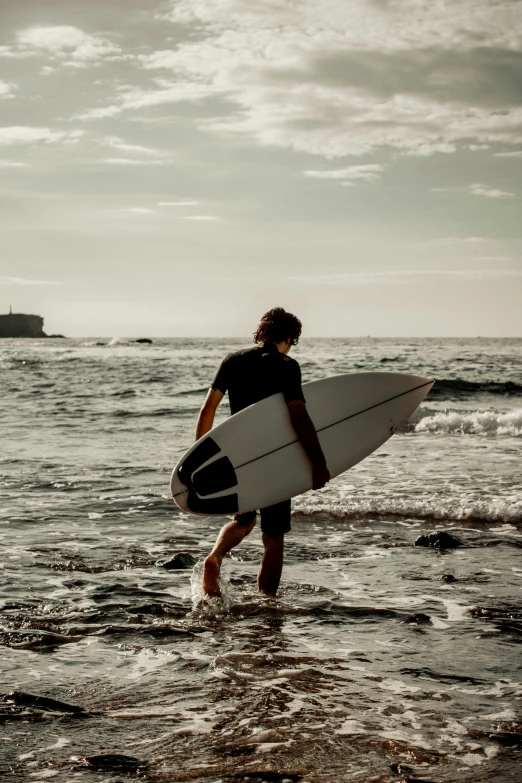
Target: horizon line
x,y
308,337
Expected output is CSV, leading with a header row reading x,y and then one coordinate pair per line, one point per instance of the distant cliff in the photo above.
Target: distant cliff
x,y
21,325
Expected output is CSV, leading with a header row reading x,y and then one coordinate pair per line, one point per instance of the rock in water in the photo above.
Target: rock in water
x,y
439,540
508,738
144,340
180,560
418,619
270,777
113,762
21,699
416,780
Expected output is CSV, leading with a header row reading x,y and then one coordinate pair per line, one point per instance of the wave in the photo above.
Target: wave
x,y
200,390
159,412
427,420
451,388
124,393
429,509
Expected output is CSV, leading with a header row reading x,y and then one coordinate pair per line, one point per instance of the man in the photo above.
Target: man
x,y
249,376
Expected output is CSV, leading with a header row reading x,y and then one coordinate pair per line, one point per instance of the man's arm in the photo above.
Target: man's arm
x,y
207,413
305,430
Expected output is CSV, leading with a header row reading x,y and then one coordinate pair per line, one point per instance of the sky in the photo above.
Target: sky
x,y
178,168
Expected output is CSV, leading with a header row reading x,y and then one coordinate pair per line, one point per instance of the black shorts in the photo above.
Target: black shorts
x,y
275,520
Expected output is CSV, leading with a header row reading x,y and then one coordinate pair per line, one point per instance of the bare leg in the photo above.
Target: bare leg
x,y
229,536
271,565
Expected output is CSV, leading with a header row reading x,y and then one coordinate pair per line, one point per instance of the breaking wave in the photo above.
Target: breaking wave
x,y
466,422
429,508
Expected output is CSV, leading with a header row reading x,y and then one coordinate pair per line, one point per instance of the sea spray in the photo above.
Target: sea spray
x,y
477,422
210,607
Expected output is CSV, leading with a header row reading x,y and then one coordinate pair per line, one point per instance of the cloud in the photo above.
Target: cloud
x,y
53,39
483,190
98,114
8,52
389,26
139,98
337,79
202,217
403,276
514,154
29,134
12,164
23,281
132,162
115,142
457,241
177,203
120,144
369,172
67,43
173,93
6,89
477,189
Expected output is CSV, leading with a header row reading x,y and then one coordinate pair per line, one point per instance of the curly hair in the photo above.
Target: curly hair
x,y
276,326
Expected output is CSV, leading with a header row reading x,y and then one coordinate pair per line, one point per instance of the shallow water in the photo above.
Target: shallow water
x,y
375,653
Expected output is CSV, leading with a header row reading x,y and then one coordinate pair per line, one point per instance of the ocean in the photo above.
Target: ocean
x,y
379,660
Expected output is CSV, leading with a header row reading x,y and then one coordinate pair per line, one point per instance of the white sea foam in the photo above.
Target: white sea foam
x,y
472,759
429,507
455,422
455,610
351,726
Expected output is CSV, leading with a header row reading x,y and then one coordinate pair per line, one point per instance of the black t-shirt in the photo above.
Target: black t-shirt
x,y
256,373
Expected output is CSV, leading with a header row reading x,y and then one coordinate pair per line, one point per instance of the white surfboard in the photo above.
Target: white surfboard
x,y
254,458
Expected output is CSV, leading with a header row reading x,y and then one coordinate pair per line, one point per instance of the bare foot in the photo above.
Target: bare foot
x,y
211,576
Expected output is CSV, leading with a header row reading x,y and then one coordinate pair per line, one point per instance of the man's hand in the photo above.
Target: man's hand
x,y
320,475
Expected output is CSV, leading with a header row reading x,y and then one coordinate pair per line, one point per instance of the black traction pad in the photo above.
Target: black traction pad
x,y
202,453
216,477
228,504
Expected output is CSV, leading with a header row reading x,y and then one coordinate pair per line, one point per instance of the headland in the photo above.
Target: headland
x,y
21,325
